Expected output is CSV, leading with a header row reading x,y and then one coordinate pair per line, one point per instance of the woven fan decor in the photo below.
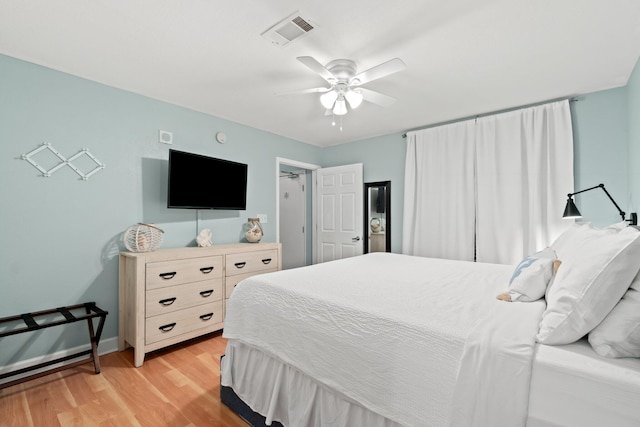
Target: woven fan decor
x,y
142,237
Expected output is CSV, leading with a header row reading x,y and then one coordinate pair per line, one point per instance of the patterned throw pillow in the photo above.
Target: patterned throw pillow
x,y
531,277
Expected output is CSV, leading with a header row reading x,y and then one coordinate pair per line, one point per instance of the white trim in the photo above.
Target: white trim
x,y
295,163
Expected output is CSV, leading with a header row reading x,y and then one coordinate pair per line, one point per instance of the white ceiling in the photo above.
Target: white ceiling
x,y
463,57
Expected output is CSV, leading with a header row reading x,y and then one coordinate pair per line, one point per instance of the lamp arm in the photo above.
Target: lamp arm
x,y
587,189
622,213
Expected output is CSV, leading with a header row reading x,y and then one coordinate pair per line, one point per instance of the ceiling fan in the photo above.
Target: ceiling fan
x,y
345,83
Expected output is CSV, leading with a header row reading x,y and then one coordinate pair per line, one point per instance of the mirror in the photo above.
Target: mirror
x,y
377,216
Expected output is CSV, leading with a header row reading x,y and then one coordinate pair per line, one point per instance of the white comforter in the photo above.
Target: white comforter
x,y
423,342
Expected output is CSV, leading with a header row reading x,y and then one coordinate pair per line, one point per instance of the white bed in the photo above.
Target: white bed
x,y
386,339
572,386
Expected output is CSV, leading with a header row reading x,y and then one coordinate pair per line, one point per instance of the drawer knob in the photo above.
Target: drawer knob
x,y
167,301
206,270
168,327
206,293
266,260
206,317
168,276
240,264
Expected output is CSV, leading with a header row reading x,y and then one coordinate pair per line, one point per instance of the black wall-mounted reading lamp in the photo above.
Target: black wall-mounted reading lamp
x,y
571,210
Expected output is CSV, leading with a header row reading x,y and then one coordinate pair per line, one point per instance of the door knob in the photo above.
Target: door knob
x,y
355,239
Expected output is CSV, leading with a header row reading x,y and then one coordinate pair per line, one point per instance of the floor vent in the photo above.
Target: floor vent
x,y
289,29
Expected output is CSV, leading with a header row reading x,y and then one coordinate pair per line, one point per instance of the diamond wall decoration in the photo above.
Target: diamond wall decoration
x,y
63,161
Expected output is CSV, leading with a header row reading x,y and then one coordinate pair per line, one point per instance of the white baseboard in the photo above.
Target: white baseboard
x,y
106,346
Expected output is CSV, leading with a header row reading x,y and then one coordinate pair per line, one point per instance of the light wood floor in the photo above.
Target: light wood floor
x,y
177,386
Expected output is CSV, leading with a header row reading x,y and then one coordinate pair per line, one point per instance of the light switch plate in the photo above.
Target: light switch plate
x,y
262,218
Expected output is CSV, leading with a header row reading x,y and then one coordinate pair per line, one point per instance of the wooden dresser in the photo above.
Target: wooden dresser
x,y
171,295
377,243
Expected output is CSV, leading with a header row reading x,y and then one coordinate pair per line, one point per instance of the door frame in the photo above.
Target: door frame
x,y
302,165
367,206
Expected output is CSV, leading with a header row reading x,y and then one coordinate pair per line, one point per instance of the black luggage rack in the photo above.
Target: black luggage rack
x,y
91,311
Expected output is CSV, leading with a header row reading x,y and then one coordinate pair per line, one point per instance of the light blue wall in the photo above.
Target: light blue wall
x,y
600,131
383,160
60,235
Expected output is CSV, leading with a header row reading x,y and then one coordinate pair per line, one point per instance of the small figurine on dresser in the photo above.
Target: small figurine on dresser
x,y
204,238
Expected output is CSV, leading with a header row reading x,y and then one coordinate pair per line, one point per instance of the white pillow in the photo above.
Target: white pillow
x,y
597,268
531,277
564,241
619,225
619,333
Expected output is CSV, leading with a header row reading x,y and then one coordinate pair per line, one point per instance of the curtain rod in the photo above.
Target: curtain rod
x,y
477,116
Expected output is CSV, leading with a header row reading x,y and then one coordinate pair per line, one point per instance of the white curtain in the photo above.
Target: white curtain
x,y
491,189
524,172
439,201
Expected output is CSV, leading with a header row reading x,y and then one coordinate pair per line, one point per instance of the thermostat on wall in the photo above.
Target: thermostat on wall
x,y
165,137
221,137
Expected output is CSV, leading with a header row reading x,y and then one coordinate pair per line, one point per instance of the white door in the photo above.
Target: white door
x,y
339,212
293,217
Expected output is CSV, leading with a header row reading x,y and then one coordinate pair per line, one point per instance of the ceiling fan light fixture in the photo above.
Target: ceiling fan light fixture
x,y
354,97
328,99
345,81
340,108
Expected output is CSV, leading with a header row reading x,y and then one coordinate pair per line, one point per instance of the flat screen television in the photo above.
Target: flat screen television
x,y
202,182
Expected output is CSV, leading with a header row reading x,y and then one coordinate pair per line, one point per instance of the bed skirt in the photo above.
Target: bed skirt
x,y
231,399
284,394
571,386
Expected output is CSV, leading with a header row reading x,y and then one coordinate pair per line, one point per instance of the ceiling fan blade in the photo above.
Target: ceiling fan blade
x,y
376,97
384,69
312,90
318,68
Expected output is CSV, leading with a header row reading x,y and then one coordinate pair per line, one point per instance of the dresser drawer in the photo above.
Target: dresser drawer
x,y
180,322
251,262
168,273
172,298
232,281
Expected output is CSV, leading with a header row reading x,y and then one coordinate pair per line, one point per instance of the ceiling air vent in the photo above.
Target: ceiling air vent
x,y
289,29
